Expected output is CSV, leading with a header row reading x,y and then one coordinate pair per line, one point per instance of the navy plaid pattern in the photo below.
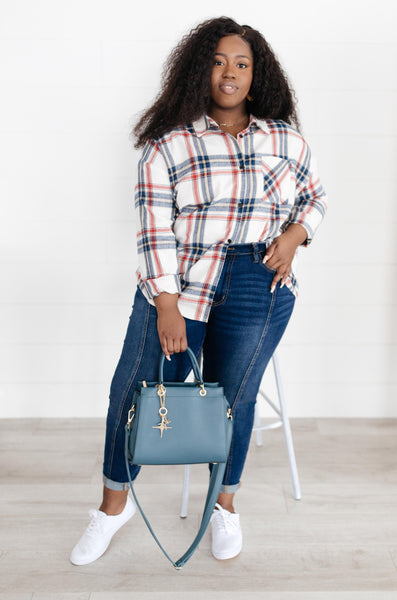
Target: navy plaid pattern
x,y
200,189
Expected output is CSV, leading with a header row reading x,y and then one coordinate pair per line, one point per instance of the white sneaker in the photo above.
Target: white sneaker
x,y
98,534
227,539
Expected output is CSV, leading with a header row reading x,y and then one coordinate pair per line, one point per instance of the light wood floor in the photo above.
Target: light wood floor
x,y
339,542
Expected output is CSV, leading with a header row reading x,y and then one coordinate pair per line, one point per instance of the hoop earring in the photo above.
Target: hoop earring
x,y
249,98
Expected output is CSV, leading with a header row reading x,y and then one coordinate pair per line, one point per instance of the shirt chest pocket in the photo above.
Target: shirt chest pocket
x,y
278,180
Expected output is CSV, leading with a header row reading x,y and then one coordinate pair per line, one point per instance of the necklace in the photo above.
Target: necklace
x,y
233,124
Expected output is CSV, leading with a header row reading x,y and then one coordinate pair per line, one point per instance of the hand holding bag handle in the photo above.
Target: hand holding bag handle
x,y
217,473
193,360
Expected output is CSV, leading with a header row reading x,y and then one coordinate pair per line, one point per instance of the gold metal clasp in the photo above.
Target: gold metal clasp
x,y
131,415
229,414
203,391
161,390
144,384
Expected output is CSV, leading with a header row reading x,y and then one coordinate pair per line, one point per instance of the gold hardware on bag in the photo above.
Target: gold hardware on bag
x,y
144,383
131,415
203,391
162,426
229,414
161,391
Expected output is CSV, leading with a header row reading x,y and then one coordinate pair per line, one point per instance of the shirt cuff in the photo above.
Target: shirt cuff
x,y
166,283
309,230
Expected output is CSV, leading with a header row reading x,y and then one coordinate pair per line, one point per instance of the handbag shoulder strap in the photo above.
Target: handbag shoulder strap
x,y
214,486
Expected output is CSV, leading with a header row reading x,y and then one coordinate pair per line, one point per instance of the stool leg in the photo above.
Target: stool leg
x,y
287,430
185,492
257,423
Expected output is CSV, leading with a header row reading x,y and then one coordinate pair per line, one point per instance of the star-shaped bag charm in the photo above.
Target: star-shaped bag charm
x,y
163,425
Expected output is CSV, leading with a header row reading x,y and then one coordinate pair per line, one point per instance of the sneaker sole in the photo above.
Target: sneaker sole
x,y
227,555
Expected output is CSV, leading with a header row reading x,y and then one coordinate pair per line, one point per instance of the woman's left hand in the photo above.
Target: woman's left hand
x,y
281,252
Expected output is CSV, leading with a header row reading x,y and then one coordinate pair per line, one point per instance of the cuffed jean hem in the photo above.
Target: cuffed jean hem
x,y
230,489
117,486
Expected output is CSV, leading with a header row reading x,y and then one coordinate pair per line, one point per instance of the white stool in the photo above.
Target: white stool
x,y
257,429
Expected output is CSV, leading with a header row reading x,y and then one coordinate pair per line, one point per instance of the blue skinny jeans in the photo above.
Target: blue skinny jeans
x,y
245,326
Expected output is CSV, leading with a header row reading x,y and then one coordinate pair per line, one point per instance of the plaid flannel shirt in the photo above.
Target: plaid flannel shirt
x,y
200,189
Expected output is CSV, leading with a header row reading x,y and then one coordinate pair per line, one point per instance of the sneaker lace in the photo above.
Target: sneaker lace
x,y
96,524
225,519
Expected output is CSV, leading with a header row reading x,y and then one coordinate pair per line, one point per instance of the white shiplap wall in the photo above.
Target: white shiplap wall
x,y
73,77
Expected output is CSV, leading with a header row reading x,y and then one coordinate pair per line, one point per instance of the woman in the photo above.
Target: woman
x,y
227,191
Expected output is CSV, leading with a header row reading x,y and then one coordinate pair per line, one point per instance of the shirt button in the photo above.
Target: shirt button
x,y
229,241
241,165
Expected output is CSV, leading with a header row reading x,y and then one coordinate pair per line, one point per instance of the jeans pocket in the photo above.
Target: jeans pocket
x,y
264,265
268,269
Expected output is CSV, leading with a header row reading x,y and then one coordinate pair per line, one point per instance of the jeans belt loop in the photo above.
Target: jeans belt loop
x,y
255,252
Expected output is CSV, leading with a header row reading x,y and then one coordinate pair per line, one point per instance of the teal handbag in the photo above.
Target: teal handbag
x,y
173,423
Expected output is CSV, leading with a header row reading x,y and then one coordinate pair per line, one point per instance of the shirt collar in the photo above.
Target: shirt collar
x,y
205,123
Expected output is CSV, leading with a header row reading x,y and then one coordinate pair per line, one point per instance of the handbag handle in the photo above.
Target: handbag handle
x,y
193,360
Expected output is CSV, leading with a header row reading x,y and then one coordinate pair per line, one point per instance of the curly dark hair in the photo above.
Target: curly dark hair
x,y
185,94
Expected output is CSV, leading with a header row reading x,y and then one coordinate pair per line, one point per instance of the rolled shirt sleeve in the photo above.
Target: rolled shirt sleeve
x,y
155,208
310,203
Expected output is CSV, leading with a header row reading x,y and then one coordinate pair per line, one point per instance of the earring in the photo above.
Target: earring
x,y
249,98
